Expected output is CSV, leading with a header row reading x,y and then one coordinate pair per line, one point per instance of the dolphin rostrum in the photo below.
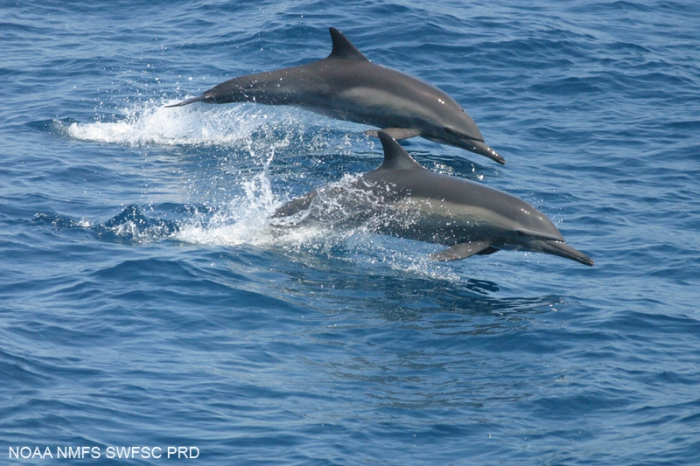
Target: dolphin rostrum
x,y
402,198
347,86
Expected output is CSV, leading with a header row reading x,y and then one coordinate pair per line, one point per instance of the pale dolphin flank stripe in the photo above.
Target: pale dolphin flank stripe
x,y
347,86
402,198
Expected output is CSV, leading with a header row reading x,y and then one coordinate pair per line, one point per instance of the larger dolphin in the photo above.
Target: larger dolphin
x,y
347,86
404,199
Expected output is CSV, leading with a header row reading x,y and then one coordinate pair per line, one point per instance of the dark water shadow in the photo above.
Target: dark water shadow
x,y
330,285
131,226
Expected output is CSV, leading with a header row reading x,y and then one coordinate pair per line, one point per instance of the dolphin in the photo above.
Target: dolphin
x,y
402,198
347,86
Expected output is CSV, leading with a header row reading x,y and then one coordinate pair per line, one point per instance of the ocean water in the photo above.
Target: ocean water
x,y
145,304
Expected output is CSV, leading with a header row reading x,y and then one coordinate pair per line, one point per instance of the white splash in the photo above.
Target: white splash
x,y
152,123
246,218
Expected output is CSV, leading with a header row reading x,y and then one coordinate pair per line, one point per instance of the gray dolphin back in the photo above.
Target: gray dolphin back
x,y
347,86
404,199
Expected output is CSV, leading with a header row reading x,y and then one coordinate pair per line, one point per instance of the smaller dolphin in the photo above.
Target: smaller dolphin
x,y
347,86
402,198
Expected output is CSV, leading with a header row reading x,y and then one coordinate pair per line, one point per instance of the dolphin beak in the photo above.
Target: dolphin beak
x,y
560,248
481,148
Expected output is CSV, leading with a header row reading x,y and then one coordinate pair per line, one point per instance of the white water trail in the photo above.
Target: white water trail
x,y
152,123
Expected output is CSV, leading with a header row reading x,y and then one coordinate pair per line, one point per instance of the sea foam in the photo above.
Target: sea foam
x,y
152,123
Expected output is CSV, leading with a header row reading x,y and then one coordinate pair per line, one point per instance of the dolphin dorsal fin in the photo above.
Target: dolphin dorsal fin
x,y
395,157
343,48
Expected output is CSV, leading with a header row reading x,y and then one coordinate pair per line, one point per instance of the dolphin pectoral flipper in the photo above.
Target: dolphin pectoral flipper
x,y
487,251
463,250
396,133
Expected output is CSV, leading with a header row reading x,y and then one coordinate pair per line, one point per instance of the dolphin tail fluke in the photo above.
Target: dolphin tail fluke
x,y
560,248
192,100
295,206
482,148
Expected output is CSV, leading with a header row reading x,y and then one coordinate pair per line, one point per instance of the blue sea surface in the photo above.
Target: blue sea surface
x,y
144,301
